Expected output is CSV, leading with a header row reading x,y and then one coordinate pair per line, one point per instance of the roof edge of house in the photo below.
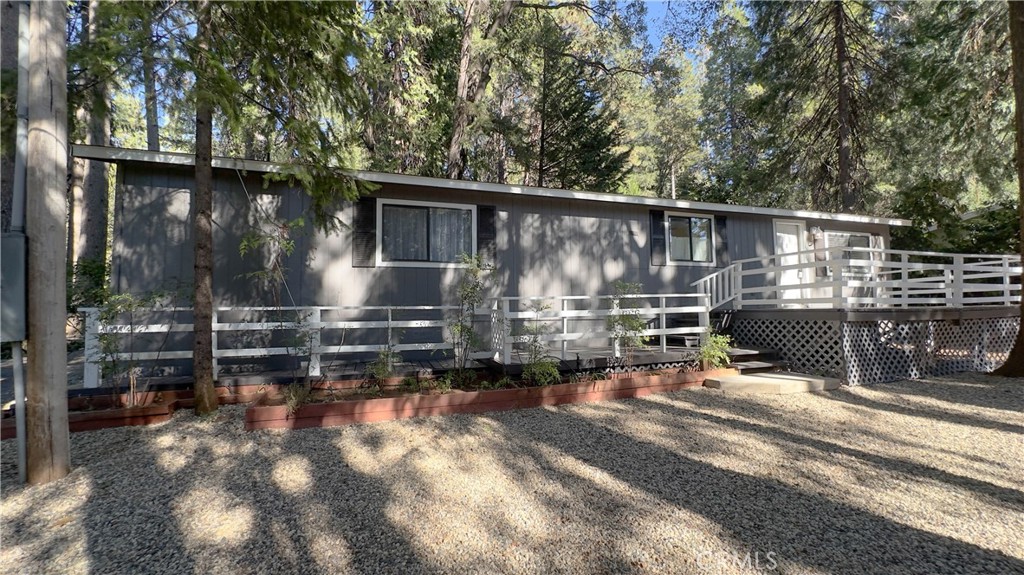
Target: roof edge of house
x,y
112,154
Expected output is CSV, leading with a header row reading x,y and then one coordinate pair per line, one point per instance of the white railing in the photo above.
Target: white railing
x,y
847,278
314,332
259,332
565,319
721,286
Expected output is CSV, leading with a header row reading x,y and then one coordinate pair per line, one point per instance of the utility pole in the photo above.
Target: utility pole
x,y
46,389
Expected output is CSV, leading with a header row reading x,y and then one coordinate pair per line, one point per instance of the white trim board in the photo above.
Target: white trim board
x,y
109,154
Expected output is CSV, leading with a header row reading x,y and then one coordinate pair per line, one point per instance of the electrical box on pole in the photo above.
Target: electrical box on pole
x,y
12,287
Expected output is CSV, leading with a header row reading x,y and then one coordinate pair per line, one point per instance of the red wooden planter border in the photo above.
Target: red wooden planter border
x,y
91,413
263,416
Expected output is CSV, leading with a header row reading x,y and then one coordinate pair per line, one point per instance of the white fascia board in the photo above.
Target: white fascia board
x,y
108,154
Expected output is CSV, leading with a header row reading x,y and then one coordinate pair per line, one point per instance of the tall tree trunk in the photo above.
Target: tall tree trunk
x,y
87,226
9,65
95,201
149,83
1014,366
847,194
202,209
474,75
542,153
46,402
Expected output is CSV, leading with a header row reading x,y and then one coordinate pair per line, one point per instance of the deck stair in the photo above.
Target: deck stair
x,y
772,383
749,361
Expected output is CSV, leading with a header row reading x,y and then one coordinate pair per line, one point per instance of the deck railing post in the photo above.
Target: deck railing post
x,y
1007,294
506,342
91,374
836,268
312,323
213,345
565,330
958,281
661,316
737,285
704,319
616,351
905,280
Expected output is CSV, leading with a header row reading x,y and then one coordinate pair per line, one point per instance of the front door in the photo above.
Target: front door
x,y
790,238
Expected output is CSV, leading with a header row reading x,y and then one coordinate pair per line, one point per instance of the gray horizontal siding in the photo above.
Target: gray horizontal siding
x,y
545,246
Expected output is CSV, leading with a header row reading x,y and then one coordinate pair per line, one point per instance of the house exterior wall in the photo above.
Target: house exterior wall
x,y
544,246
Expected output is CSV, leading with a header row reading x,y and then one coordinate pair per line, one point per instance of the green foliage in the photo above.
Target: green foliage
x,y
727,96
8,110
538,369
445,382
799,70
541,372
934,207
87,285
383,366
296,394
411,384
624,322
124,309
470,295
714,352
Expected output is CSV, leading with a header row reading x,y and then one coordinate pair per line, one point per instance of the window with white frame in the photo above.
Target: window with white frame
x,y
691,238
851,240
425,233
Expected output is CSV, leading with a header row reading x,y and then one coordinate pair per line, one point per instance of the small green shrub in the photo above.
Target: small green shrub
x,y
582,377
383,366
626,325
295,396
411,384
715,351
444,383
541,372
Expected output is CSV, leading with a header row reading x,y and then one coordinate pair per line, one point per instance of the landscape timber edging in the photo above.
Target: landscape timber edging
x,y
344,412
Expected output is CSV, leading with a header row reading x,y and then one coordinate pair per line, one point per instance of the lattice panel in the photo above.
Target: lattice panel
x,y
880,351
809,346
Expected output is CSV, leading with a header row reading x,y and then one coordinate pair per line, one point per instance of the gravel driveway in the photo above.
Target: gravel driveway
x,y
910,477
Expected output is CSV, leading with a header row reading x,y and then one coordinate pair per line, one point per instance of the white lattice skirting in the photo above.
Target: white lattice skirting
x,y
865,352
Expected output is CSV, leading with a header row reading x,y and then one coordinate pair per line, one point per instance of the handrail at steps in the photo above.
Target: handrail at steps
x,y
721,287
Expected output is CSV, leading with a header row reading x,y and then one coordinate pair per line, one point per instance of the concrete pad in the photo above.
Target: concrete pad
x,y
775,383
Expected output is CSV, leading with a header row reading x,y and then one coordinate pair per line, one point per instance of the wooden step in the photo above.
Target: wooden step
x,y
755,366
773,383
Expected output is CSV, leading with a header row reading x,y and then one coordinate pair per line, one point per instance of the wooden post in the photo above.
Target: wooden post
x,y
704,319
905,281
737,285
836,267
91,373
506,347
565,330
958,281
46,389
313,321
1007,294
616,348
661,316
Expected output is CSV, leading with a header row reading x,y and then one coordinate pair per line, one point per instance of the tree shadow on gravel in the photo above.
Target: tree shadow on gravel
x,y
930,412
329,519
767,515
990,392
129,529
1008,498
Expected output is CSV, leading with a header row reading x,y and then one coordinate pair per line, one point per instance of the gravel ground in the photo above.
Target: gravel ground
x,y
909,477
